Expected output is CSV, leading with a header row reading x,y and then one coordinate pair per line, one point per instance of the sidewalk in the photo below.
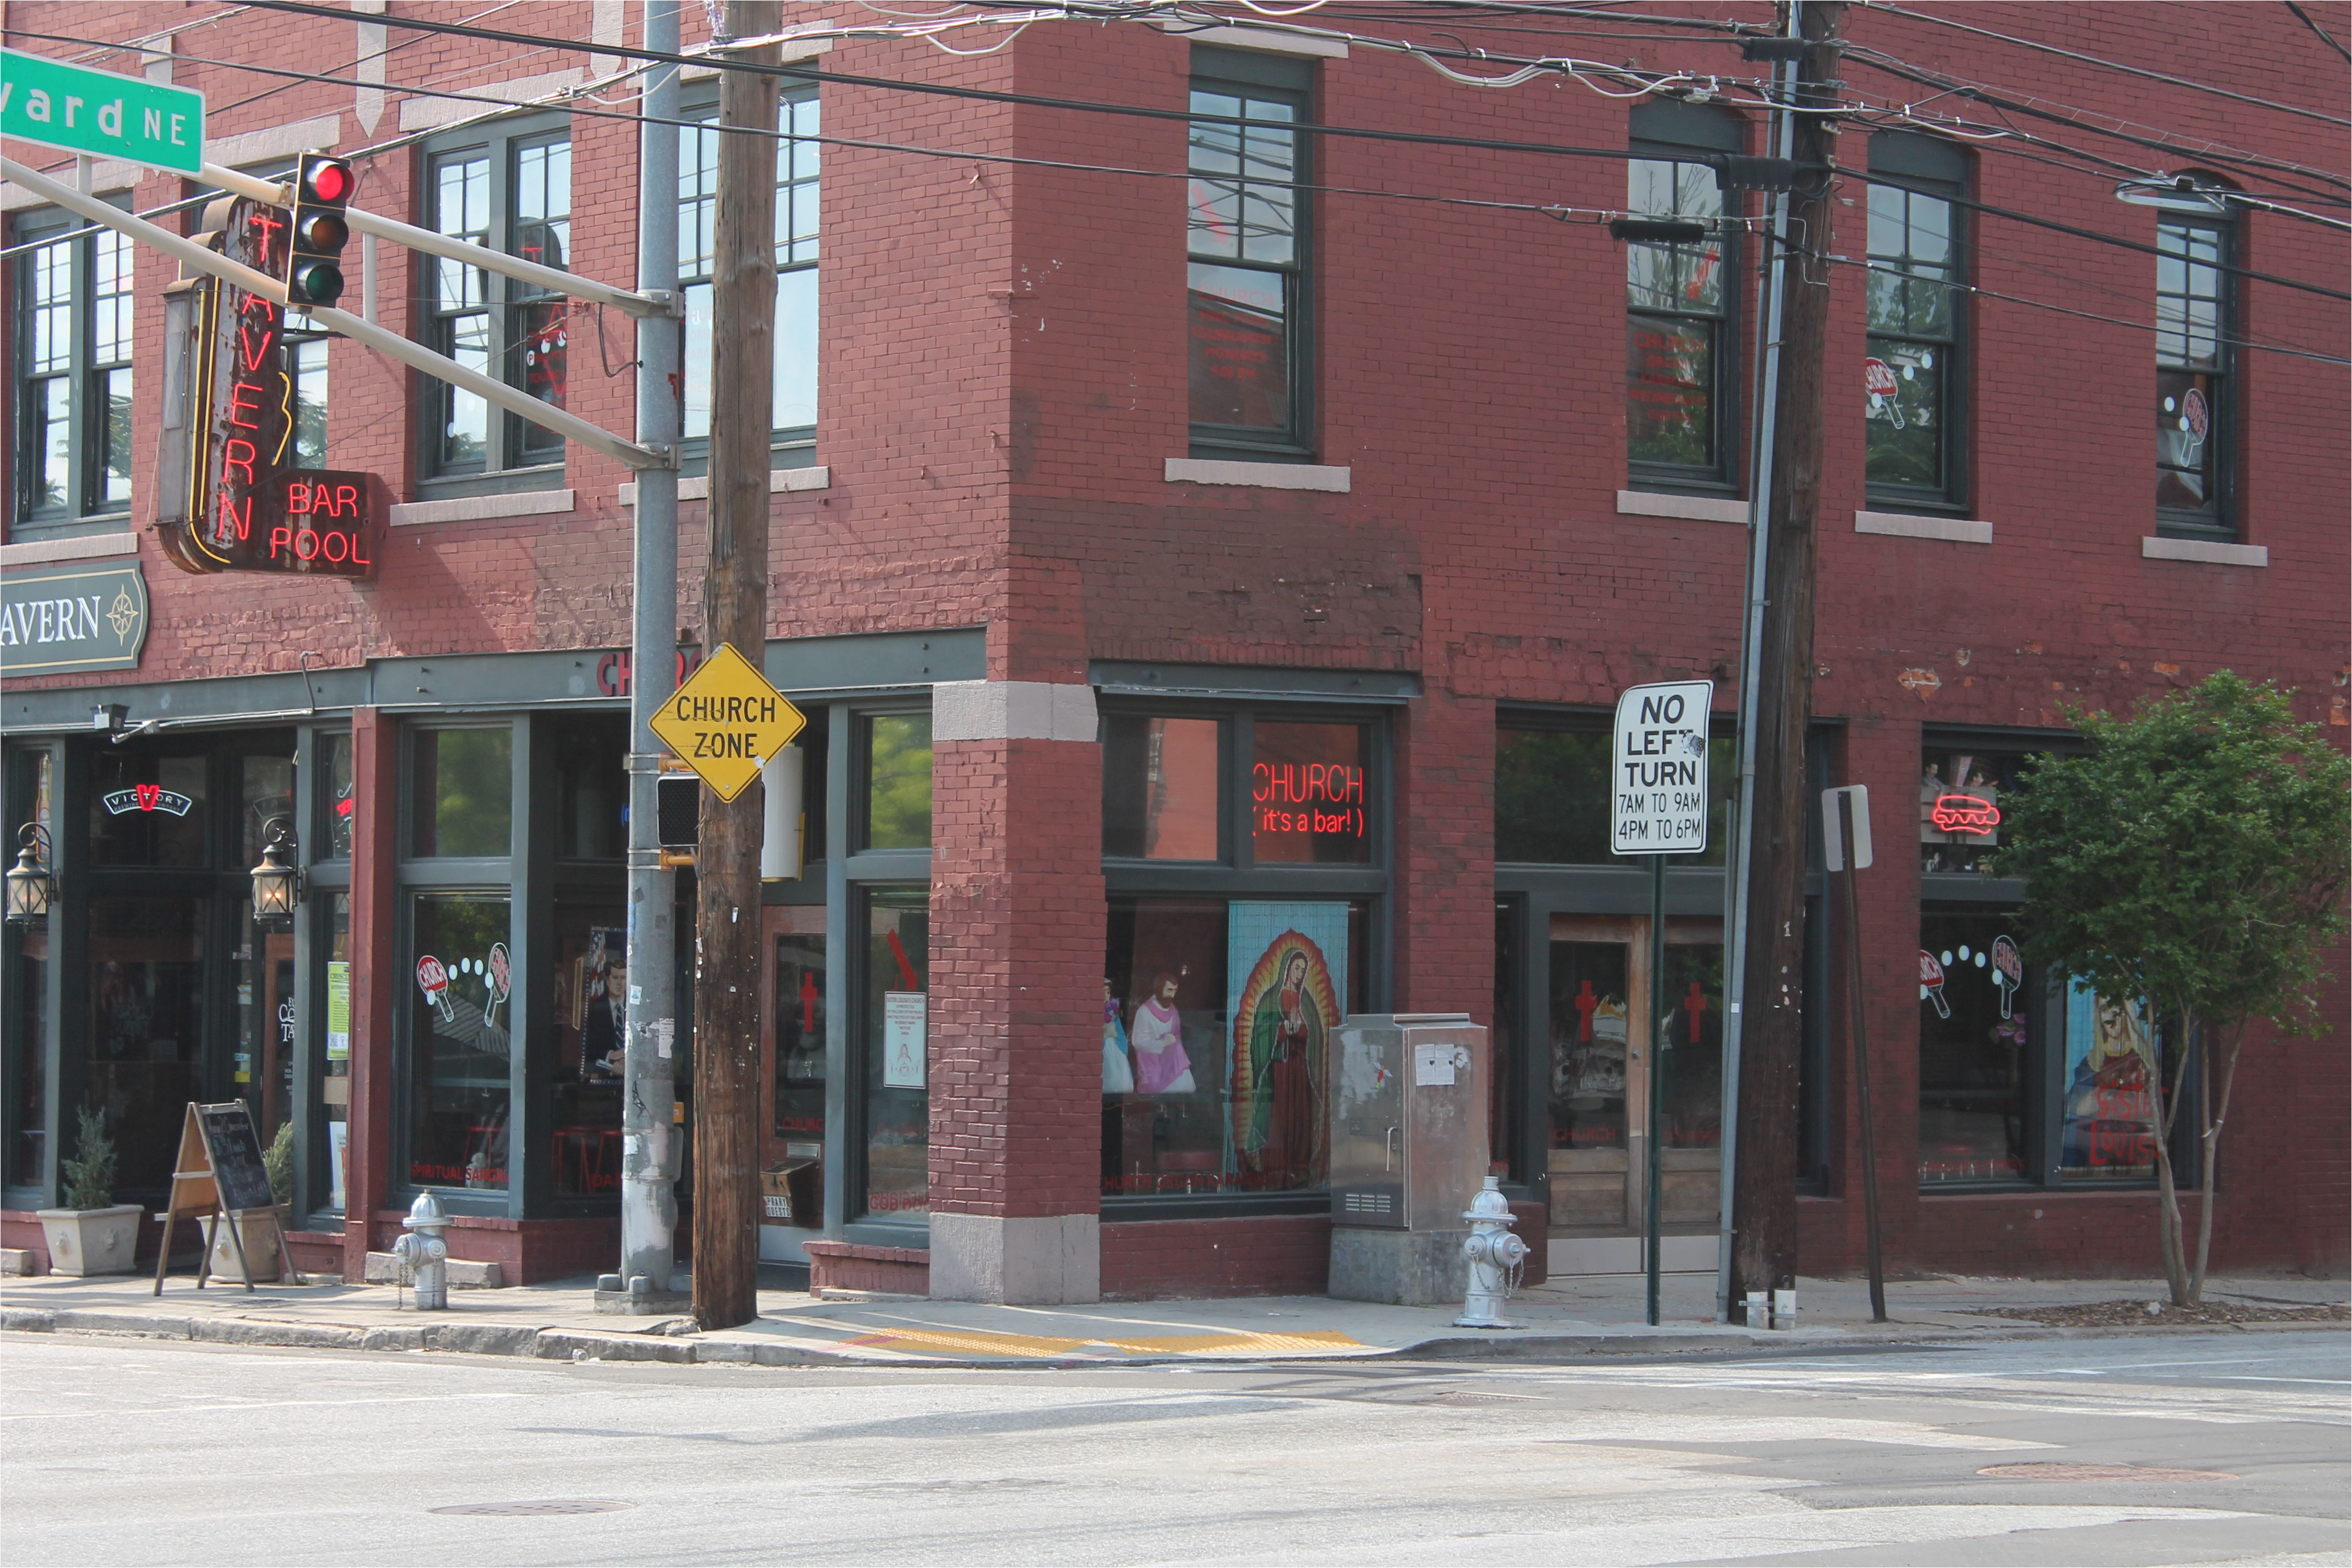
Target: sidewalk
x,y
1565,1319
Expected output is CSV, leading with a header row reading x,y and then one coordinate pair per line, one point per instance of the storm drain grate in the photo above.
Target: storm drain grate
x,y
2100,1473
545,1506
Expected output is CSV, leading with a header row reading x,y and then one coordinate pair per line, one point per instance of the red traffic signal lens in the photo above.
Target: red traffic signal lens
x,y
321,231
315,283
328,181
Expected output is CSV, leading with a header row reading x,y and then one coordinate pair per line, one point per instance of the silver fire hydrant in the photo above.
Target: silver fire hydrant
x,y
424,1256
1495,1256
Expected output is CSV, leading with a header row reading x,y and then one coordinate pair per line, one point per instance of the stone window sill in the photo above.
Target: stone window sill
x,y
79,547
1689,509
2212,552
484,508
1923,525
780,482
1261,476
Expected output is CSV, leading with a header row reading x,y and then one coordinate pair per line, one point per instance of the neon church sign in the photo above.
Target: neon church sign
x,y
242,508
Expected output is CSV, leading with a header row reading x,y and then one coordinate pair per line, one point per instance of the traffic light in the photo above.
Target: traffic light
x,y
323,187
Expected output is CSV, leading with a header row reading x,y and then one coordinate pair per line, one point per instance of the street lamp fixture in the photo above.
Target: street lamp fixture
x,y
30,886
276,880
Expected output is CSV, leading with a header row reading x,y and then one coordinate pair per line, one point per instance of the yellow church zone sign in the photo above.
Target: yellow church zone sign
x,y
726,721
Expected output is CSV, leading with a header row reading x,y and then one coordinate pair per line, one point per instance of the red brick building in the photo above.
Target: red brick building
x,y
1197,541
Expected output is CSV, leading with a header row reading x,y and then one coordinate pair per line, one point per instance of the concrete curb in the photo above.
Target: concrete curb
x,y
690,1350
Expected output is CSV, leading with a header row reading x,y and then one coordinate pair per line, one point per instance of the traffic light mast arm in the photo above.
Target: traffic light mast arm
x,y
278,193
514,400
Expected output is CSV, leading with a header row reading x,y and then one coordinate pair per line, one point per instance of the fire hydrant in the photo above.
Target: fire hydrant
x,y
1495,1256
424,1256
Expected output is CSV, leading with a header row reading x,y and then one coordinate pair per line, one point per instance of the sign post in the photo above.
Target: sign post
x,y
1845,841
1657,807
726,721
100,112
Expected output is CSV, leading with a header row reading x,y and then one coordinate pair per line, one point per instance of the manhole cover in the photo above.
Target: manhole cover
x,y
1459,1397
547,1506
2100,1473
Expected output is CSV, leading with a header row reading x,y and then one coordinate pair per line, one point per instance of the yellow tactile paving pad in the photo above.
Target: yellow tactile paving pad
x,y
945,1342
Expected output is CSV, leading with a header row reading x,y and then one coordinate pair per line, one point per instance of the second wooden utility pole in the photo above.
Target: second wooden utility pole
x,y
1764,1197
735,610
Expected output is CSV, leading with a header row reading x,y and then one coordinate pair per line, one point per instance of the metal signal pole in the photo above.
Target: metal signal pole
x,y
735,611
650,1137
1764,1243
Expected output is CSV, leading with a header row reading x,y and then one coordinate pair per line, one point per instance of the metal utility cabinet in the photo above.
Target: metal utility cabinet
x,y
1409,1151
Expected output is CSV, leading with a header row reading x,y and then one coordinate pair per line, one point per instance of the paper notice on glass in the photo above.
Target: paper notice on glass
x,y
902,1039
1432,1064
338,1011
338,1139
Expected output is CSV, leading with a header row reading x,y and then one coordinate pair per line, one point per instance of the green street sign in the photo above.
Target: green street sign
x,y
64,618
100,113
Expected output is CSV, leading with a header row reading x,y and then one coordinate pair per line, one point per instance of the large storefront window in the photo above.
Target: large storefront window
x,y
2113,1057
26,952
335,1077
1551,796
898,1095
460,1042
1960,790
591,943
1975,1035
898,780
462,793
148,810
1222,984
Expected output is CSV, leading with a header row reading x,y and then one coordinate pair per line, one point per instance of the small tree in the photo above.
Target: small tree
x,y
277,1165
90,1175
2194,858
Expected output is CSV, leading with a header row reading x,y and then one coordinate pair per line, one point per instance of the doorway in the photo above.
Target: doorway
x,y
1601,1074
792,1083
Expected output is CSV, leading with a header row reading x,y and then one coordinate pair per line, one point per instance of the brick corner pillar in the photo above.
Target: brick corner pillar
x,y
1017,912
1445,856
367,1152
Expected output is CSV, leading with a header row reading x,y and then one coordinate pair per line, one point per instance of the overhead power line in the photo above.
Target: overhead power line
x,y
2142,71
2324,35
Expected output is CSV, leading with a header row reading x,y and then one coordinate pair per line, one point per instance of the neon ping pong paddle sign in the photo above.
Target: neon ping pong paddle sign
x,y
229,425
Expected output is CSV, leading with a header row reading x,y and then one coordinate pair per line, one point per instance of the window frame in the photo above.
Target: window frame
x,y
788,446
1273,80
86,508
1689,133
2217,520
511,460
1923,166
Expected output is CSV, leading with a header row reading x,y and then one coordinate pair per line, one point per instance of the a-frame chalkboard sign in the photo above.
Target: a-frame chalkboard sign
x,y
218,1172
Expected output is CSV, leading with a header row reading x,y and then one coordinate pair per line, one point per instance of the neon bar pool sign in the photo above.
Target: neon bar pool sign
x,y
242,508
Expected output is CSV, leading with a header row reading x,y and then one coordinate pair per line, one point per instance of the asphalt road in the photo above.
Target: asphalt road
x,y
134,1452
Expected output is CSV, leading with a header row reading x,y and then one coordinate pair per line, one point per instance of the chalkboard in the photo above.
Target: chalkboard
x,y
243,1180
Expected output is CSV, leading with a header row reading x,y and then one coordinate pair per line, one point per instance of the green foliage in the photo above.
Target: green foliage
x,y
90,1175
278,1163
899,782
2194,855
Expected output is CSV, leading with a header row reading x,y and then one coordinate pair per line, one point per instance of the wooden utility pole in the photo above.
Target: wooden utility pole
x,y
735,610
1764,1195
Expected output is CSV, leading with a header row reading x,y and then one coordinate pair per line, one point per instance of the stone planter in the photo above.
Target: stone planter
x,y
92,1241
259,1236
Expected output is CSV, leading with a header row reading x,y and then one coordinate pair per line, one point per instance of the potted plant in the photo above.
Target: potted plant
x,y
91,1234
258,1229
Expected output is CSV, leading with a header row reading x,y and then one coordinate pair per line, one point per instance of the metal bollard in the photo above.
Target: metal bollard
x,y
1495,1256
424,1256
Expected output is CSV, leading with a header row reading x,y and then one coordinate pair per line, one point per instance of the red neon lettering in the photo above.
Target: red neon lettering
x,y
306,536
237,405
346,498
249,351
298,497
230,458
260,221
280,538
230,519
328,543
1964,813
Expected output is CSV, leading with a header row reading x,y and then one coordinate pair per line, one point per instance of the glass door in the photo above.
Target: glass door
x,y
1602,1074
793,1070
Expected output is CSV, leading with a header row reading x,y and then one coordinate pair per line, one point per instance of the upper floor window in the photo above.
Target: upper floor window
x,y
795,383
1552,792
73,378
508,187
1246,280
1682,343
1912,375
2193,327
